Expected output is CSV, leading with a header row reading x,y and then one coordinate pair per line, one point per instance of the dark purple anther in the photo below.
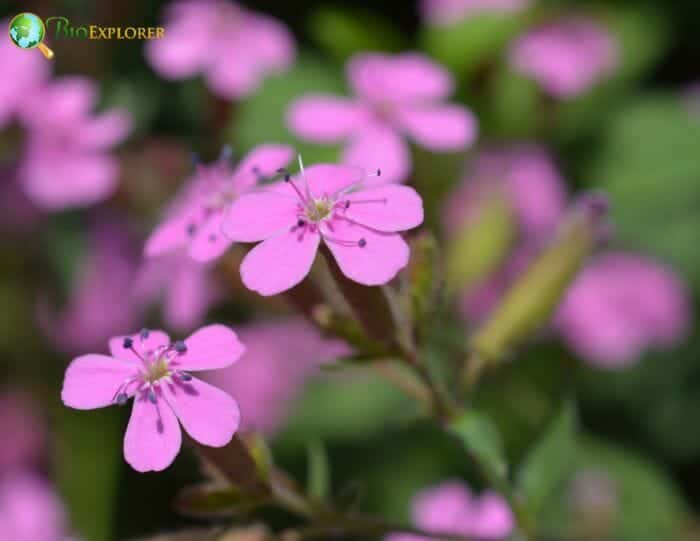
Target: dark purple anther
x,y
122,398
301,223
347,204
144,334
152,396
362,243
191,229
128,343
184,376
180,346
379,172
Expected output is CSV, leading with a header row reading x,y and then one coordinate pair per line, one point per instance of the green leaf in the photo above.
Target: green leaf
x,y
550,461
345,31
318,482
481,438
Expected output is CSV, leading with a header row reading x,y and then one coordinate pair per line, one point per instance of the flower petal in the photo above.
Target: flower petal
x,y
325,118
153,437
209,241
403,78
258,215
441,128
327,179
379,147
263,160
280,262
211,347
91,381
207,413
142,344
374,263
387,208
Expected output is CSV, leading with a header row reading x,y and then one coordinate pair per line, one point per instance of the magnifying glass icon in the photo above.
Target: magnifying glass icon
x,y
27,31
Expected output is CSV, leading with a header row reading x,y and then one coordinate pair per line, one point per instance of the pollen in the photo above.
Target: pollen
x,y
157,370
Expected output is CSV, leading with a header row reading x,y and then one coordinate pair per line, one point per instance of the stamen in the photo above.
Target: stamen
x,y
144,334
191,229
301,223
128,343
303,176
362,243
122,399
288,179
184,376
180,346
355,201
152,396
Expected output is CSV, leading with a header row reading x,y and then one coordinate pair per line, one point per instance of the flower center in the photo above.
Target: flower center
x,y
319,209
157,370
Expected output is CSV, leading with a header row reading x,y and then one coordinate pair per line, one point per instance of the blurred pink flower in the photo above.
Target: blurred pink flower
x,y
620,306
268,377
442,12
24,75
193,221
452,508
101,303
526,176
66,162
395,94
20,418
186,288
30,510
566,57
155,372
233,47
360,225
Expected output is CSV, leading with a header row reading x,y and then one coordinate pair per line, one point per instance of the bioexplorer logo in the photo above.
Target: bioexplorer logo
x,y
28,31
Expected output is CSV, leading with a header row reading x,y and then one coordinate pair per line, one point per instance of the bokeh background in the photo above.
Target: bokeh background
x,y
71,275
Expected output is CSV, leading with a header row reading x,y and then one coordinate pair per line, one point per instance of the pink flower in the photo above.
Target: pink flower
x,y
101,303
234,48
526,176
620,306
24,75
30,510
194,220
155,372
359,224
452,508
66,161
395,94
186,289
566,57
443,12
20,418
268,377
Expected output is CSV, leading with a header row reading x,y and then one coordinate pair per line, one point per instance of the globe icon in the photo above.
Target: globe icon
x,y
27,31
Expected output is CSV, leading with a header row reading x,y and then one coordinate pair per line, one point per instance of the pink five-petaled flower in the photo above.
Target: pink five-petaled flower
x,y
566,57
156,373
203,36
359,224
194,220
452,508
620,306
67,161
395,95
